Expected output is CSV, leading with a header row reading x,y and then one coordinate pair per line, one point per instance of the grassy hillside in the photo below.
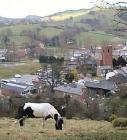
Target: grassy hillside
x,y
50,31
96,37
16,29
73,130
95,19
67,14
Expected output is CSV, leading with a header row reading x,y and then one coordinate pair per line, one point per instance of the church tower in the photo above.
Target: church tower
x,y
107,56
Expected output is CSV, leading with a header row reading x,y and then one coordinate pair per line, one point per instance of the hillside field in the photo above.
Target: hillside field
x,y
73,130
87,20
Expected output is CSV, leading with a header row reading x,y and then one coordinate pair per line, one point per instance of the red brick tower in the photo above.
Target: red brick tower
x,y
107,56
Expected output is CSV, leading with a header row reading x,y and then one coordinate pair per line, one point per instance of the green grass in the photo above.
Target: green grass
x,y
16,29
27,68
19,40
68,14
61,23
81,25
96,37
50,31
73,130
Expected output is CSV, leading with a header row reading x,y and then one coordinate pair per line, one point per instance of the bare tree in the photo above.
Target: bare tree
x,y
5,37
52,69
120,14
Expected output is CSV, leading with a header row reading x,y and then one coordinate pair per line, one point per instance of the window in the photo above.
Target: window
x,y
33,91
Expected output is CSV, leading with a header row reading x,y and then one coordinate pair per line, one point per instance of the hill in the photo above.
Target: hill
x,y
14,21
77,25
73,130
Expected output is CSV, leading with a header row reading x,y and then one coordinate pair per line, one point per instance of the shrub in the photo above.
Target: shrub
x,y
123,94
123,91
120,122
74,109
112,117
91,110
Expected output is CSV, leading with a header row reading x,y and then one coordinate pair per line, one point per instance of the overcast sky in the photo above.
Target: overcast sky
x,y
22,8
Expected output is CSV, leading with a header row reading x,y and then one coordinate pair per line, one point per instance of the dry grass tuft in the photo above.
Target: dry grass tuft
x,y
73,129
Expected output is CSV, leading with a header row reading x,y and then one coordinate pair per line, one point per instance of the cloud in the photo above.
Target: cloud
x,y
21,8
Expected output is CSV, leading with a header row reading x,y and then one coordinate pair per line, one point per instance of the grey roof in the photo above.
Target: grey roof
x,y
16,87
119,78
72,63
104,67
120,75
124,69
72,89
102,84
90,62
120,71
24,79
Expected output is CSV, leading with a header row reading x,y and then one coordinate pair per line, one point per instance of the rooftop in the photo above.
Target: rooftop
x,y
101,84
70,88
23,79
15,86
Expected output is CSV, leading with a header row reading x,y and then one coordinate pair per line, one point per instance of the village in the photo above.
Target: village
x,y
63,70
87,77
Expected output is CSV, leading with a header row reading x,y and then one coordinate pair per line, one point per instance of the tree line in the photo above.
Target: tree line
x,y
50,59
120,62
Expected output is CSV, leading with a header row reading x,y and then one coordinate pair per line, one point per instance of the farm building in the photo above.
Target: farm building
x,y
21,85
73,90
100,87
17,88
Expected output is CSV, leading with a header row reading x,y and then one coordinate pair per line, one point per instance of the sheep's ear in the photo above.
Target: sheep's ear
x,y
55,117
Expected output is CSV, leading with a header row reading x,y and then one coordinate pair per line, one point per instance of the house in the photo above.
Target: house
x,y
17,88
90,66
72,65
19,54
24,79
120,51
116,53
119,79
2,58
82,80
3,55
90,63
75,91
103,70
119,76
21,85
97,53
100,87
